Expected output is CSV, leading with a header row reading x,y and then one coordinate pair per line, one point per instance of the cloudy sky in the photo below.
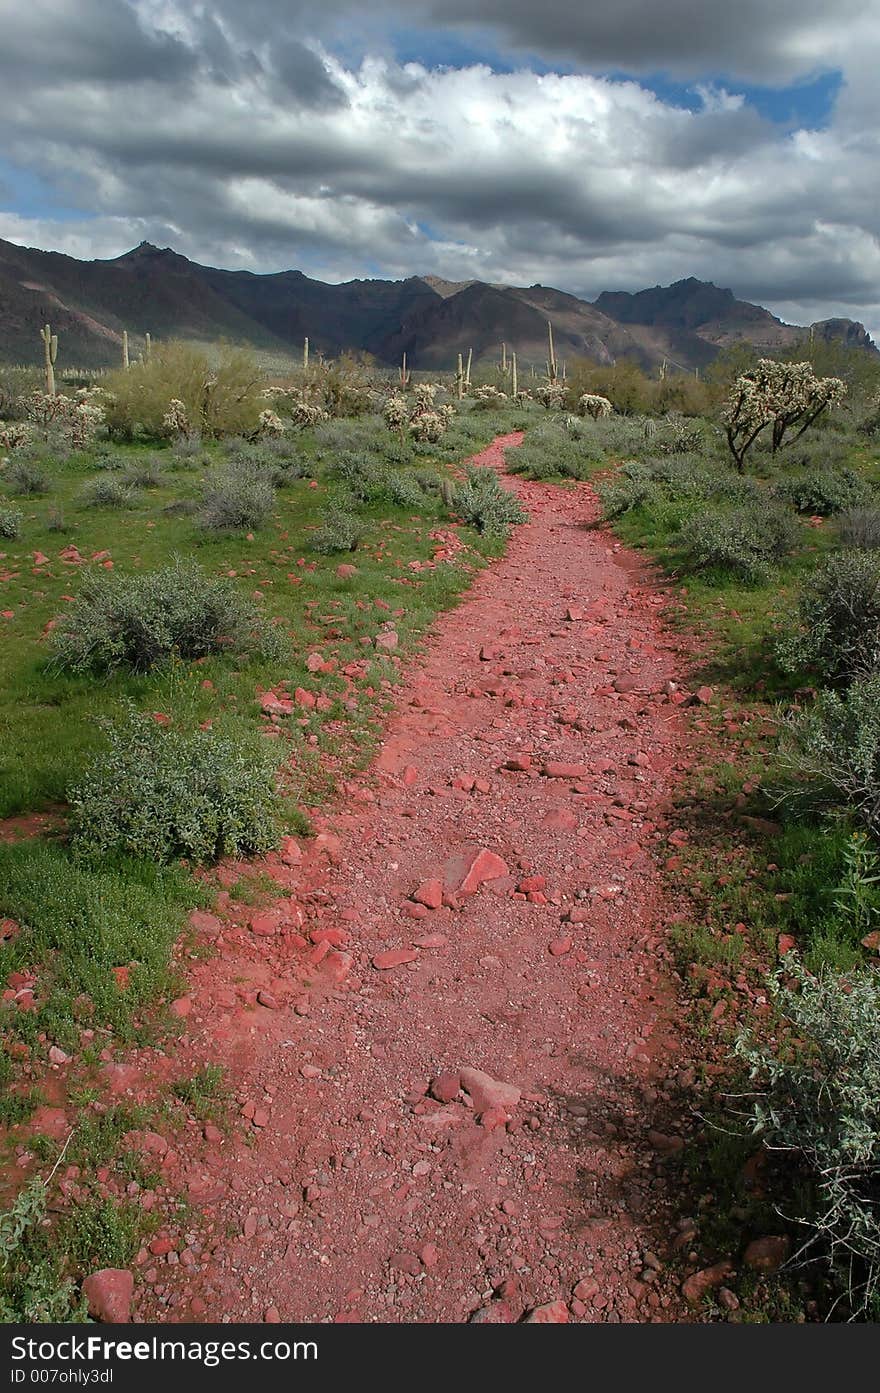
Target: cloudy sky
x,y
589,146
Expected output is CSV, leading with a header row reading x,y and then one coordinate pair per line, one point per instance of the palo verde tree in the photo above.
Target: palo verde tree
x,y
787,397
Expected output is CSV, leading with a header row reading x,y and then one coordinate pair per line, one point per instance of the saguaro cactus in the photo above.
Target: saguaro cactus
x,y
50,353
404,375
552,370
148,348
513,381
305,355
504,358
125,349
459,378
467,376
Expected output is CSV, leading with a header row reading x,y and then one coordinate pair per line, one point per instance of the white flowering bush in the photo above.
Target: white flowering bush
x,y
75,419
591,404
785,397
489,397
304,413
271,424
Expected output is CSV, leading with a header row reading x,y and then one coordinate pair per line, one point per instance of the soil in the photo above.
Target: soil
x,y
523,786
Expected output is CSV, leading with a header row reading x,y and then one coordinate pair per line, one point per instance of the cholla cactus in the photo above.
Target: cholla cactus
x,y
552,395
489,396
590,404
270,424
176,419
650,429
428,426
396,413
304,414
780,395
85,417
14,434
424,394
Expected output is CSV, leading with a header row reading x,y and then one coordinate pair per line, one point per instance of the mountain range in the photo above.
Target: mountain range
x,y
156,290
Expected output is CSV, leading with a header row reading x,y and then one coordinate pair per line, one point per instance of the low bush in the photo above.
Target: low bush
x,y
552,450
740,541
838,620
144,474
818,1101
835,748
860,527
24,478
339,531
139,621
162,793
105,492
10,523
33,1287
823,491
215,398
236,500
482,502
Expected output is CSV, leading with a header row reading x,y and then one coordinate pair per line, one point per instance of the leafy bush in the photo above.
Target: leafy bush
x,y
339,531
483,503
743,541
10,522
823,491
819,1101
860,527
24,478
236,501
835,746
32,1286
139,621
838,633
162,793
221,398
144,474
554,450
105,492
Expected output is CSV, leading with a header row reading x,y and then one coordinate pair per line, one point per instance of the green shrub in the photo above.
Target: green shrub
x,y
220,398
556,450
105,492
835,746
163,793
404,490
236,500
32,1285
482,502
823,491
818,1101
139,621
10,522
743,542
24,478
144,474
838,633
339,531
860,527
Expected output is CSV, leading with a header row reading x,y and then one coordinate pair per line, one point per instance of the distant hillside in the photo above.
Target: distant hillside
x,y
89,303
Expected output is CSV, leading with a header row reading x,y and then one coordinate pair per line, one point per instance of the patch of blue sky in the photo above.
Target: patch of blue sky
x,y
25,193
808,104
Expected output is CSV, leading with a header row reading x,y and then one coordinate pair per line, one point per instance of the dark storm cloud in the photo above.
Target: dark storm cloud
x,y
87,40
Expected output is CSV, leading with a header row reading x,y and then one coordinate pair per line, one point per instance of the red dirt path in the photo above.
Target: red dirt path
x,y
345,1191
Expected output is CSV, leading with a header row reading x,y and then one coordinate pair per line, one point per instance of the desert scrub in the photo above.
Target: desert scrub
x,y
823,492
162,793
339,531
860,527
139,621
834,747
484,504
838,620
105,492
24,479
10,522
33,1287
237,500
742,542
817,1099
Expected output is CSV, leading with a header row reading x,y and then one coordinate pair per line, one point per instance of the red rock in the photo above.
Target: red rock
x,y
496,1313
290,851
703,695
560,820
395,957
181,1007
871,941
271,1316
486,1092
260,1117
767,1254
410,776
266,923
518,763
785,944
346,571
560,946
553,1313
557,769
160,1246
305,698
387,640
204,923
430,1255
314,662
274,705
575,614
338,965
108,1293
494,1117
579,915
268,1000
532,882
430,894
50,1122
467,874
430,941
586,1289
701,1283
57,1055
415,911
405,1262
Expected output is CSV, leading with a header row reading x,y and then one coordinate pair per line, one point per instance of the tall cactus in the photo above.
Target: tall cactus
x,y
404,375
504,357
467,376
125,363
305,354
459,378
50,353
513,382
552,369
148,348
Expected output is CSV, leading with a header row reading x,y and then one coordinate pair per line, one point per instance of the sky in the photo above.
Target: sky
x,y
587,146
